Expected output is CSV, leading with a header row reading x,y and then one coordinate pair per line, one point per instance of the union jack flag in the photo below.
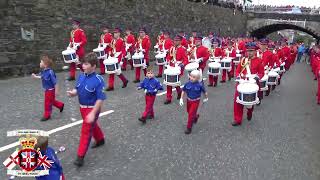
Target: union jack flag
x,y
28,160
44,162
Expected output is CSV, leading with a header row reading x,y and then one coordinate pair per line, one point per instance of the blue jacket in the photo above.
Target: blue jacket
x,y
56,169
90,88
152,85
48,78
194,89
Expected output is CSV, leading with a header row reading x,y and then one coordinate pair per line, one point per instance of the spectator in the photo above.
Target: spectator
x,y
301,51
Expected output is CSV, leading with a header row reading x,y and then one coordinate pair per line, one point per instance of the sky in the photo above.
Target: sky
x,y
305,3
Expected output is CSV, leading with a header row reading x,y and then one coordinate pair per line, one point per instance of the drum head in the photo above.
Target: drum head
x,y
214,65
192,66
247,88
68,51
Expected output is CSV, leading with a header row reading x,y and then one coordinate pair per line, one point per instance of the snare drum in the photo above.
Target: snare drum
x,y
263,83
161,58
99,52
214,68
236,60
282,67
112,65
70,56
191,66
172,76
138,60
248,93
215,59
226,63
272,78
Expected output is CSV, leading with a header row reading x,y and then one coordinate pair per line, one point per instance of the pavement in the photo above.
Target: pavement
x,y
281,141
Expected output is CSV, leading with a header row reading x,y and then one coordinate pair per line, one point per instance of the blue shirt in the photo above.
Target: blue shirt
x,y
301,49
194,89
152,85
56,170
48,78
90,88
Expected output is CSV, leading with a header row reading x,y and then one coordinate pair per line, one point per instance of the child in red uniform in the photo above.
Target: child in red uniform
x,y
151,86
49,84
90,90
193,88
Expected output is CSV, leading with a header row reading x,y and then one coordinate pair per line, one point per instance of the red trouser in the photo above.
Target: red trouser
x,y
169,92
213,80
149,105
138,70
192,107
160,70
224,75
88,130
238,109
318,90
102,67
49,101
260,95
73,69
111,79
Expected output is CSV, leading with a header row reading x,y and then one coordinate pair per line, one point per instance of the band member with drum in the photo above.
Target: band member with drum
x,y
191,44
50,86
266,60
286,53
90,91
143,44
178,54
106,39
274,62
78,40
151,86
118,51
184,41
228,51
130,41
256,68
193,88
217,52
165,45
202,53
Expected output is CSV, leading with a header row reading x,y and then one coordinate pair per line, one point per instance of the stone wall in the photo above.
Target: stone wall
x,y
50,22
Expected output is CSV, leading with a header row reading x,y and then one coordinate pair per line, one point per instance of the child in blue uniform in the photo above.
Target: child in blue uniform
x,y
55,171
151,86
193,88
49,84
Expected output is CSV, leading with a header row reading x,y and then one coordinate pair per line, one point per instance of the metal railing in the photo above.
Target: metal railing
x,y
282,10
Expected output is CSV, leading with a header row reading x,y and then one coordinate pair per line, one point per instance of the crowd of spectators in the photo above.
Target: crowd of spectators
x,y
232,4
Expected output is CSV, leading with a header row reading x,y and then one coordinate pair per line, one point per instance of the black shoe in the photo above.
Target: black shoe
x,y
71,78
215,85
236,124
97,144
210,85
249,118
109,89
259,103
79,161
44,119
61,109
159,76
136,81
267,94
229,79
123,69
188,131
143,120
167,102
222,81
125,84
150,117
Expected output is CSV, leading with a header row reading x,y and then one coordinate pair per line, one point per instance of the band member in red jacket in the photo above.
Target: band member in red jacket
x,y
256,68
130,41
78,40
217,52
143,44
201,53
165,45
118,51
266,59
184,41
106,39
177,54
229,51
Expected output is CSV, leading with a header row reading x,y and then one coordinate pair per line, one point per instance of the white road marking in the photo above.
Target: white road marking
x,y
12,145
165,92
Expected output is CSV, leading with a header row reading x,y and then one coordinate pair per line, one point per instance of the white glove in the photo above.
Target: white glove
x,y
181,102
145,91
205,100
155,90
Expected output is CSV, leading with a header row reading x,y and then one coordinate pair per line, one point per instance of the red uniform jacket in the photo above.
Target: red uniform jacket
x,y
180,54
232,54
118,47
145,44
255,68
218,52
106,38
78,36
184,42
267,58
202,52
131,40
286,52
168,43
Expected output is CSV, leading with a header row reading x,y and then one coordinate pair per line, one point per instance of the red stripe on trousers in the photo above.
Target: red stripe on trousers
x,y
192,108
49,101
149,105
